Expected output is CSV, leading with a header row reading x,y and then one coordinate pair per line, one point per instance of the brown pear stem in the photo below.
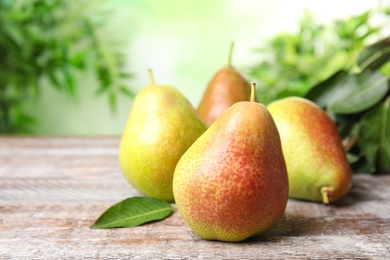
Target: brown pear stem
x,y
325,191
230,54
351,143
253,92
152,82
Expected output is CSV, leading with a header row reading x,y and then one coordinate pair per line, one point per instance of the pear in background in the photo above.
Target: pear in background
x,y
161,126
226,87
232,183
317,166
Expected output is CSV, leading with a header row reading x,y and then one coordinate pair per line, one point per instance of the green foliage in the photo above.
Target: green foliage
x,y
291,63
358,100
52,41
349,93
333,66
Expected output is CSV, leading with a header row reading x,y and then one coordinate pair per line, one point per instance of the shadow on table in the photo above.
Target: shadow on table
x,y
343,217
362,190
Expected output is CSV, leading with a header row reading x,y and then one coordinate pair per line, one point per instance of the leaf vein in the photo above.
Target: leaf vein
x,y
137,216
375,84
374,57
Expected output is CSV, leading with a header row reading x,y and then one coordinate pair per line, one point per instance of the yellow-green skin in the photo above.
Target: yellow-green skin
x,y
232,182
317,166
161,126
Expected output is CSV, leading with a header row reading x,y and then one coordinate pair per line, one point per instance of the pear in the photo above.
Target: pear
x,y
161,126
232,183
317,166
225,88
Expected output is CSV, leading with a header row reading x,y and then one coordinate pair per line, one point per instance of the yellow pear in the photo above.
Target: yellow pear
x,y
161,126
317,166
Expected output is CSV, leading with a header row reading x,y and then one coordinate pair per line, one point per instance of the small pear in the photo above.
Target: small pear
x,y
232,183
317,166
161,126
226,88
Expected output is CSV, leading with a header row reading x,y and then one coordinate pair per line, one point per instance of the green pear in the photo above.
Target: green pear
x,y
161,126
232,183
317,166
226,88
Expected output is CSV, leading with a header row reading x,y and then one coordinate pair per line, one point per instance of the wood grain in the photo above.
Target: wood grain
x,y
53,189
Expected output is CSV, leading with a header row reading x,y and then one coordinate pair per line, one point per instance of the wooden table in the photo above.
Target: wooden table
x,y
52,190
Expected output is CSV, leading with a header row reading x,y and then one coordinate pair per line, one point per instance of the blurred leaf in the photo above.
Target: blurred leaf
x,y
352,158
384,144
127,92
104,77
53,40
387,10
375,56
328,91
360,92
363,166
78,60
385,69
13,35
346,124
291,63
112,101
53,78
345,93
375,135
369,134
69,83
125,75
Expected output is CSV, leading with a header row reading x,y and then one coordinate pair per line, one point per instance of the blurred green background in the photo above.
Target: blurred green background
x,y
183,42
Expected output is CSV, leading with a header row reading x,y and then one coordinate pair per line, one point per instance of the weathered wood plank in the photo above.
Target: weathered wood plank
x,y
52,189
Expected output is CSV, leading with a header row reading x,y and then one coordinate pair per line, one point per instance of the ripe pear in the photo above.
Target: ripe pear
x,y
161,126
226,88
317,166
232,183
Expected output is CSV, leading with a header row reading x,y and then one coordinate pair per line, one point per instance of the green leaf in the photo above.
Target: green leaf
x,y
39,44
363,166
125,75
346,124
70,85
375,55
345,93
133,212
112,101
384,144
329,90
352,158
53,79
374,136
360,92
369,133
126,91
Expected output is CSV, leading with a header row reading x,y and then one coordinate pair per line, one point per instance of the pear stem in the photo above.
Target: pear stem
x,y
230,55
253,92
152,82
325,191
351,143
